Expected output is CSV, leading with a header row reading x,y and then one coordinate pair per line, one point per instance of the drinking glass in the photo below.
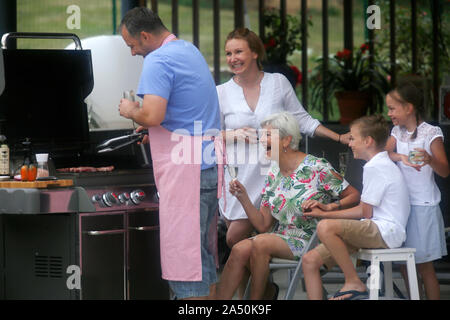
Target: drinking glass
x,y
343,158
415,156
129,95
233,171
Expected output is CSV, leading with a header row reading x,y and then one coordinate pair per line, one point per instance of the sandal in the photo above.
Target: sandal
x,y
354,295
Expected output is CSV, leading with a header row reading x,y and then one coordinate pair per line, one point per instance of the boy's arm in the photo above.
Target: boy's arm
x,y
367,210
362,210
349,197
350,213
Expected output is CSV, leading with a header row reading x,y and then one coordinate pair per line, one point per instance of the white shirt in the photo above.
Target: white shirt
x,y
384,188
276,95
423,190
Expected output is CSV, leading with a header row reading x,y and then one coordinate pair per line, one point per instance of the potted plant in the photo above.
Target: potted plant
x,y
354,82
280,43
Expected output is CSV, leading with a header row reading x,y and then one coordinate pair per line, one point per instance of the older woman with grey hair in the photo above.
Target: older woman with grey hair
x,y
296,182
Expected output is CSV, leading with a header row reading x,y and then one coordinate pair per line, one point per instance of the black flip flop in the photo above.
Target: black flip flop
x,y
354,295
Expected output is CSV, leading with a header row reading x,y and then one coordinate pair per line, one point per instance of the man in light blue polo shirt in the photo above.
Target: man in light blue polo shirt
x,y
180,75
179,94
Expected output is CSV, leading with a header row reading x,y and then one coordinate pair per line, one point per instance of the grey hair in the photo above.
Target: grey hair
x,y
142,19
287,126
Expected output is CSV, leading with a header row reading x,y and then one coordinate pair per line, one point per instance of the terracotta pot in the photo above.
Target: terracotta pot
x,y
352,105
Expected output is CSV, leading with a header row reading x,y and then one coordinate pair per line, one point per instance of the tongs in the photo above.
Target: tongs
x,y
108,145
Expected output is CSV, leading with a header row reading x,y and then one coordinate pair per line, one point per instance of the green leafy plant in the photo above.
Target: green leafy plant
x,y
350,71
279,42
424,36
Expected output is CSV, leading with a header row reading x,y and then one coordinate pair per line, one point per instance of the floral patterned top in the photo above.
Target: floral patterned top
x,y
313,179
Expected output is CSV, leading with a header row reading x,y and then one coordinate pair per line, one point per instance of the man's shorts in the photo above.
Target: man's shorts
x,y
356,234
208,215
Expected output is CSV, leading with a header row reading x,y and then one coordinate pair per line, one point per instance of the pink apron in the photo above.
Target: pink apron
x,y
178,185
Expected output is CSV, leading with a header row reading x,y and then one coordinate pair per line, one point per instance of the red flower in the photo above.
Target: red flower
x,y
270,44
298,74
344,54
364,47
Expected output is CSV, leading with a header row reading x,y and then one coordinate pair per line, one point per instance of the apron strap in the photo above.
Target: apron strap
x,y
221,155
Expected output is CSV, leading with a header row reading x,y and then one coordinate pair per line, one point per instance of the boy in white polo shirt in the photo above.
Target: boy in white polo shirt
x,y
378,221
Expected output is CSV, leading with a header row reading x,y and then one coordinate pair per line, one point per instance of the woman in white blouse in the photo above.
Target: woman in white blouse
x,y
245,100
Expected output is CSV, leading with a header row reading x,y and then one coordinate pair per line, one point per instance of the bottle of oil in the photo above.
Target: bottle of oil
x,y
4,158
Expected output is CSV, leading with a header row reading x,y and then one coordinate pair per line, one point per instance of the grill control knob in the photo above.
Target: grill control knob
x,y
96,198
137,196
110,199
124,197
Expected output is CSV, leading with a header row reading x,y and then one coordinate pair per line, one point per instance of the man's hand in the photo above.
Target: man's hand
x,y
127,108
145,139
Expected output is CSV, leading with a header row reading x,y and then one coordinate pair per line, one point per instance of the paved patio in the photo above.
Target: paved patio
x,y
334,280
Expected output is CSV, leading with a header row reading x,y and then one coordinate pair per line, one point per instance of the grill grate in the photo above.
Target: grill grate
x,y
48,267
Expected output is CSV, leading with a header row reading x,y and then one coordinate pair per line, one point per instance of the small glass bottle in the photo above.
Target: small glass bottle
x,y
42,165
4,157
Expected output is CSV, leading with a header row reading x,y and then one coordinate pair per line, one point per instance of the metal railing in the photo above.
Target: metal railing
x,y
239,13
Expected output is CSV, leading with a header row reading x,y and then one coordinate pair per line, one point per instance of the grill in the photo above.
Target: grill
x,y
101,235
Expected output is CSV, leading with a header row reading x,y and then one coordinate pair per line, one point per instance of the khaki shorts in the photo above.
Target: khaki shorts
x,y
356,234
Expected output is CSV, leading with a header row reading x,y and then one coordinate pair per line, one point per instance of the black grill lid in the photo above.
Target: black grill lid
x,y
44,97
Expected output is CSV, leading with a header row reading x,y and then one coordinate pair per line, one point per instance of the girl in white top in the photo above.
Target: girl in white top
x,y
425,228
245,100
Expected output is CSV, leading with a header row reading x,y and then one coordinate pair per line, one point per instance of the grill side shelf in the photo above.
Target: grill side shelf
x,y
18,201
